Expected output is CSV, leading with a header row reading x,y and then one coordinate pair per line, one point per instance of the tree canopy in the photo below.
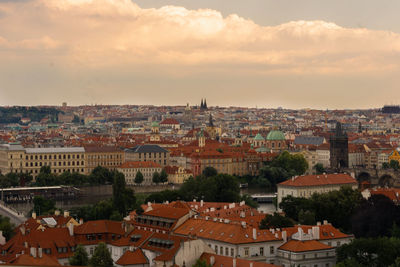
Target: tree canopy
x,y
275,221
80,257
101,257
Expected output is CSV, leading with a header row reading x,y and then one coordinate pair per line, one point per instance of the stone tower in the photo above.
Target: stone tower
x,y
339,150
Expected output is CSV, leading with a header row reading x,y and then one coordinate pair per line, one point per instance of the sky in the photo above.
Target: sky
x,y
255,53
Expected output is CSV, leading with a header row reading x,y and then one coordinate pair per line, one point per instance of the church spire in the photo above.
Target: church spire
x,y
201,104
205,103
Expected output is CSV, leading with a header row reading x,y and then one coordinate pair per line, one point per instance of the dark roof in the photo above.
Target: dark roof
x,y
146,149
308,140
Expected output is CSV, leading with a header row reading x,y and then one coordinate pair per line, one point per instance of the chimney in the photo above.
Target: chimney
x,y
26,244
315,231
212,260
234,262
325,222
243,224
196,207
194,200
201,203
40,252
242,214
22,229
71,229
80,221
167,202
301,233
254,233
149,204
33,252
284,236
251,264
66,214
318,223
56,212
34,215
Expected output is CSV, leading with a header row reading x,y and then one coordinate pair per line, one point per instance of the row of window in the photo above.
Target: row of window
x,y
60,163
64,156
118,156
154,155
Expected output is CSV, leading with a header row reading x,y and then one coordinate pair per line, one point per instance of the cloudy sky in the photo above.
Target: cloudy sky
x,y
265,53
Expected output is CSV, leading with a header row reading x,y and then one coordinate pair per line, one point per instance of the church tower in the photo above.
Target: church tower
x,y
339,150
202,139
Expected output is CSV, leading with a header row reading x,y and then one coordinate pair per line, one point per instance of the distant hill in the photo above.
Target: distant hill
x,y
14,114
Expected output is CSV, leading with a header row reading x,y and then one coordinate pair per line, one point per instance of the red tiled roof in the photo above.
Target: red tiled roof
x,y
302,246
169,121
29,260
167,212
132,258
318,180
228,261
99,227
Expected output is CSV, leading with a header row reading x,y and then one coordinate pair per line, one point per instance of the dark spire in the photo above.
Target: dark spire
x,y
339,131
359,127
210,121
201,104
205,103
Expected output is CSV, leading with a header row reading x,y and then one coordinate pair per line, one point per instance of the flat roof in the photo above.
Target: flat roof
x,y
55,150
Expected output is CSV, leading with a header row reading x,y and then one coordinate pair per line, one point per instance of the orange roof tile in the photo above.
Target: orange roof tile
x,y
228,261
318,180
132,258
302,246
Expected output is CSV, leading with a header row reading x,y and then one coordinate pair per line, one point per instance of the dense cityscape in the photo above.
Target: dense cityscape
x,y
177,176
212,133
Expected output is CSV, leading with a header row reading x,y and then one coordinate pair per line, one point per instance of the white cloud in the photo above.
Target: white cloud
x,y
105,33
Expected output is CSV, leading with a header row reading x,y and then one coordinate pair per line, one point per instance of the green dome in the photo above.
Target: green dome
x,y
259,137
155,124
275,135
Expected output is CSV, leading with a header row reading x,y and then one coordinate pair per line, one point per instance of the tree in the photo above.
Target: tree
x,y
43,205
139,178
119,193
163,176
156,177
394,164
319,168
201,263
209,171
377,216
275,221
101,175
6,227
307,217
101,257
80,257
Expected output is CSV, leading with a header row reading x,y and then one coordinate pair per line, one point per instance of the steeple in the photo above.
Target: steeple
x,y
210,121
201,104
205,103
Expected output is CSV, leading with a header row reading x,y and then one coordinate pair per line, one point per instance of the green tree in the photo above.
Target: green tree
x,y
43,206
101,175
119,193
201,263
319,168
80,257
307,217
394,164
139,178
156,177
275,221
209,172
163,176
6,227
101,257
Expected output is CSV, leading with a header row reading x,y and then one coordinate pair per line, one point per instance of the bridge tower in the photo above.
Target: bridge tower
x,y
339,148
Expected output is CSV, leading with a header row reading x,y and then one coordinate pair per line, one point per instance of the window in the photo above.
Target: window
x,y
226,251
246,252
91,251
261,251
271,249
216,249
232,252
221,250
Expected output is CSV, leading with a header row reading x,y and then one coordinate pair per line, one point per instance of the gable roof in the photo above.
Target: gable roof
x,y
308,140
319,180
99,227
133,258
303,246
228,261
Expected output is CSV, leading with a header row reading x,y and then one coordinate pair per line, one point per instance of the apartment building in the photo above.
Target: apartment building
x,y
147,152
105,156
147,168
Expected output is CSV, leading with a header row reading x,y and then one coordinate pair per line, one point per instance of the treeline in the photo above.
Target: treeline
x,y
13,179
14,114
209,186
279,169
98,176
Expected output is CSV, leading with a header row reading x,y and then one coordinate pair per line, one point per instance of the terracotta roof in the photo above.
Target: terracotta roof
x,y
326,231
132,258
100,226
228,261
169,121
302,246
232,232
318,180
392,193
29,260
167,212
140,164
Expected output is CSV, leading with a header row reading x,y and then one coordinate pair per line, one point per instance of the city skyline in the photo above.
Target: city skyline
x,y
172,52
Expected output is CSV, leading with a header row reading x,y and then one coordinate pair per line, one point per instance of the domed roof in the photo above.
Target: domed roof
x,y
275,135
259,137
155,124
